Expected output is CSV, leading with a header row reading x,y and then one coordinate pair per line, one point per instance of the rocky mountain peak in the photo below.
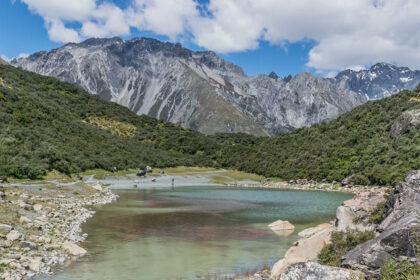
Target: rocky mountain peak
x,y
273,75
201,90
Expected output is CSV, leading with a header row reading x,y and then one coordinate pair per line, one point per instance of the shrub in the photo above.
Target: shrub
x,y
377,215
341,244
403,270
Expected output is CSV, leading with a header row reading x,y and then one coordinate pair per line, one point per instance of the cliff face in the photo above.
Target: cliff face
x,y
198,90
399,235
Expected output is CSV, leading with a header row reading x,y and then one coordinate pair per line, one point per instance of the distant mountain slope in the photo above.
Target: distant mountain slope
x,y
375,143
198,90
380,81
47,124
2,62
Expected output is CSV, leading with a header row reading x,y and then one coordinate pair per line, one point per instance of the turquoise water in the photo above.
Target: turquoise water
x,y
194,232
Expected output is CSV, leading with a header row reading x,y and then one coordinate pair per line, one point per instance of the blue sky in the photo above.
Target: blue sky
x,y
283,36
24,32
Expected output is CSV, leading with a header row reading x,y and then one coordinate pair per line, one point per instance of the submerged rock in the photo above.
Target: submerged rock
x,y
307,249
281,225
399,230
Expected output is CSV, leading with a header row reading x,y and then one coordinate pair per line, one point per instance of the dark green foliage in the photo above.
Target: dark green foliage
x,y
341,244
377,214
357,143
45,125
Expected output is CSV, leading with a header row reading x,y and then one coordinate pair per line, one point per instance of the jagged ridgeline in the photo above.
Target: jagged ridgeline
x,y
50,125
375,143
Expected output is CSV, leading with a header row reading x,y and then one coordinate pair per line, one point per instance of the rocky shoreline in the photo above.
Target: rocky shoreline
x,y
40,225
397,235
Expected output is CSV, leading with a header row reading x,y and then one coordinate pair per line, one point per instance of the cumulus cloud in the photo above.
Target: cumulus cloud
x,y
348,34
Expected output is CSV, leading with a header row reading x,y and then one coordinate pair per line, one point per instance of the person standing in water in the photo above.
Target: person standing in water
x,y
173,183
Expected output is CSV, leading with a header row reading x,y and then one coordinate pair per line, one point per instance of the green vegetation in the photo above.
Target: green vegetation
x,y
50,125
403,270
377,214
341,244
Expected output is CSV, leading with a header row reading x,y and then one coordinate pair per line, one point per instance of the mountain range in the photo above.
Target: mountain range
x,y
202,91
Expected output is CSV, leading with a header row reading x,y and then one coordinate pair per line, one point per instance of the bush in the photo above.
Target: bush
x,y
403,270
377,215
341,244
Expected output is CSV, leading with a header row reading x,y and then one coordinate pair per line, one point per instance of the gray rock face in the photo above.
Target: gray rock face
x,y
400,230
198,90
404,123
381,80
315,271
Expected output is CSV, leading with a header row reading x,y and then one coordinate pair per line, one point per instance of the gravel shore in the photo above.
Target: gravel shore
x,y
40,225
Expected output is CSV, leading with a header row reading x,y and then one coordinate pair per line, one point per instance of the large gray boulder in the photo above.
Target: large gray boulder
x,y
405,122
315,271
400,230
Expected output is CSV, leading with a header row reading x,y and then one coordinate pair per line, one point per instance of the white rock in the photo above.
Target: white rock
x,y
73,249
35,265
38,207
97,187
5,228
24,220
281,225
13,235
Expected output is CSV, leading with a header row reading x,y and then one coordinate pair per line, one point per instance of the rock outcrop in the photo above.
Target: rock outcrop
x,y
315,271
399,231
353,214
404,123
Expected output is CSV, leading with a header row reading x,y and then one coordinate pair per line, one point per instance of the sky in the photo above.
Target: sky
x,y
284,36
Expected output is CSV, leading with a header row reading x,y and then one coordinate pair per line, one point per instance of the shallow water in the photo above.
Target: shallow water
x,y
194,232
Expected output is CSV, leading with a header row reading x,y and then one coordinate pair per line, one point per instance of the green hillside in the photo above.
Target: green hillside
x,y
46,124
357,143
50,125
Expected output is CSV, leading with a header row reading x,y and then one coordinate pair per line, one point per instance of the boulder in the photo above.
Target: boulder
x,y
405,122
5,228
13,235
35,265
27,244
399,231
352,214
24,220
73,249
281,225
346,181
149,169
307,248
315,271
141,172
97,187
302,182
38,207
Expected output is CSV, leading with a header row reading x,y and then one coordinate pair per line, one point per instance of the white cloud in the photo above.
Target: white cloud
x,y
59,33
348,34
108,20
